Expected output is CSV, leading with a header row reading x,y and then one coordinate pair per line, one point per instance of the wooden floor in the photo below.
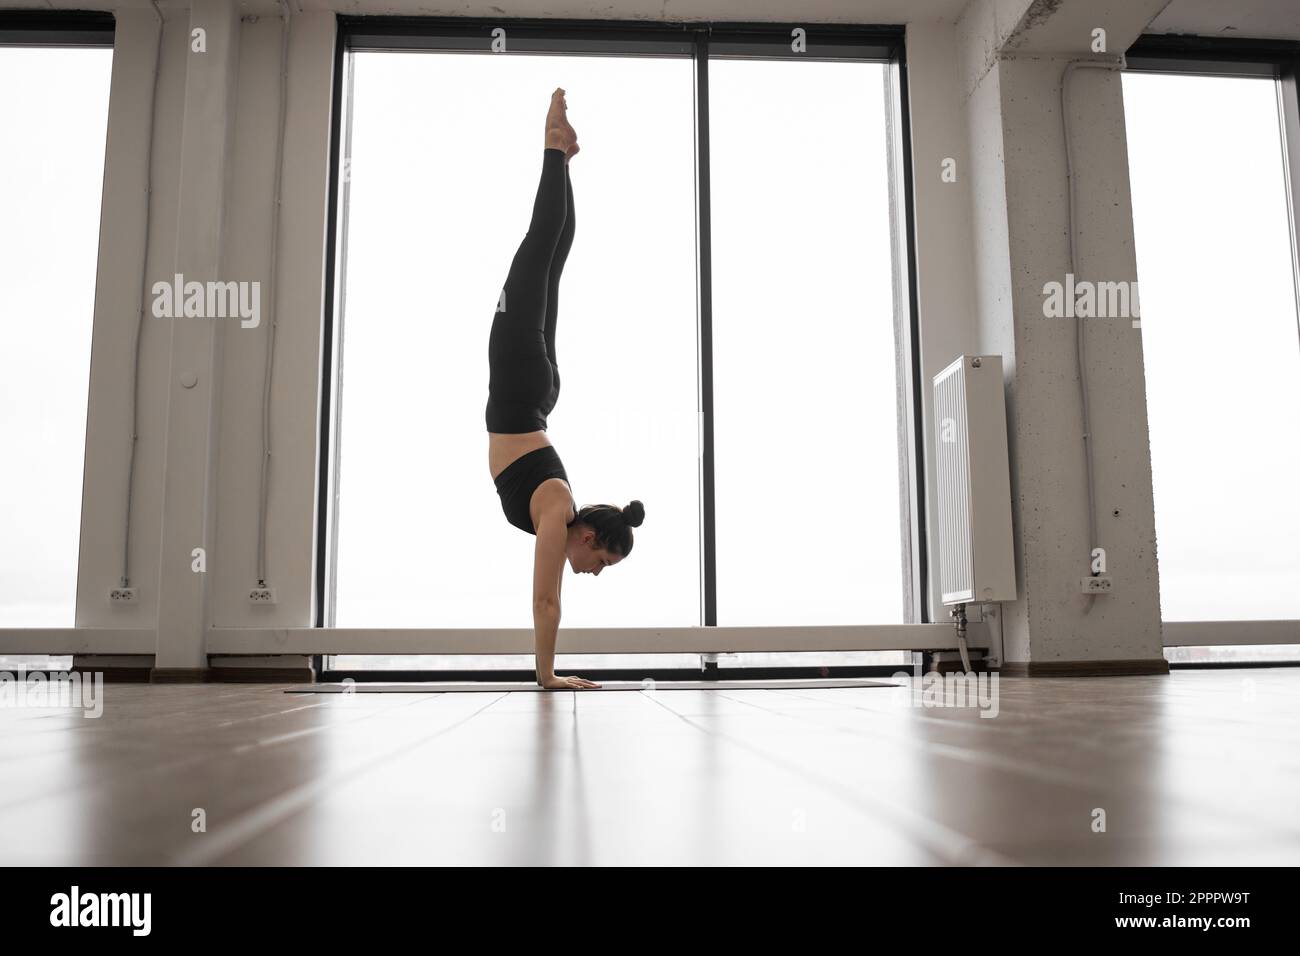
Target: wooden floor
x,y
1199,767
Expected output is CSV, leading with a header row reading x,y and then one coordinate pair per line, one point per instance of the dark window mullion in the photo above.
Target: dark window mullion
x,y
704,287
909,325
1288,87
56,28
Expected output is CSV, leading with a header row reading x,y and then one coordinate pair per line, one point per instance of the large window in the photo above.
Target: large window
x,y
54,114
1220,342
804,352
441,192
774,466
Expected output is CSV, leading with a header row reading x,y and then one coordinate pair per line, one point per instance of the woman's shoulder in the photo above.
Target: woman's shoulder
x,y
554,495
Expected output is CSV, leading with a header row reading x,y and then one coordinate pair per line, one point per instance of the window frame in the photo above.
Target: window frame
x,y
1279,60
702,42
1210,56
56,28
53,29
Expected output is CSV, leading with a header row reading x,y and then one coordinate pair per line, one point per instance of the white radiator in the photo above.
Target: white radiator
x,y
976,558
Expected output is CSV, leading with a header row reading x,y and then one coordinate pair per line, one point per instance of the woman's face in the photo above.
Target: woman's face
x,y
585,556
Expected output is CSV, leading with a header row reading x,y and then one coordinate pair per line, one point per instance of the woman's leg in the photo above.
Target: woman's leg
x,y
524,378
529,282
553,288
521,378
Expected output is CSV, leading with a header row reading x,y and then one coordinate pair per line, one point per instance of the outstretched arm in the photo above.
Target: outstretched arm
x,y
548,572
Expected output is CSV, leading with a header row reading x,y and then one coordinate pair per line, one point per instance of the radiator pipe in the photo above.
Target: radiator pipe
x,y
959,612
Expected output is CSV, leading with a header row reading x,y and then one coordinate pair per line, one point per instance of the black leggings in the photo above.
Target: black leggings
x,y
524,377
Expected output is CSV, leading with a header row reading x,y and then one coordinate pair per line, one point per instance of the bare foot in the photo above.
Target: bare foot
x,y
559,134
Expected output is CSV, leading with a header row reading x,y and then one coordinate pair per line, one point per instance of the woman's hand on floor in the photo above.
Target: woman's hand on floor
x,y
566,683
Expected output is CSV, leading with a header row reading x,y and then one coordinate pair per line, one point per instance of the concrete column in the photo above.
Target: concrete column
x,y
297,312
122,262
1013,70
1049,459
193,380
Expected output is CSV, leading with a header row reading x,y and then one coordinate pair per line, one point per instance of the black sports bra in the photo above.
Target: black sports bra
x,y
520,479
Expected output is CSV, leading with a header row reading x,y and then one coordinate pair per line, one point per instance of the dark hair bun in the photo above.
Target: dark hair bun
x,y
634,514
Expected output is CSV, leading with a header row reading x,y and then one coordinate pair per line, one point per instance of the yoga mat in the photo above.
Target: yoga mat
x,y
432,687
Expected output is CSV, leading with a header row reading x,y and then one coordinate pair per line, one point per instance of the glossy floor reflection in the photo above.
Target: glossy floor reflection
x,y
1199,767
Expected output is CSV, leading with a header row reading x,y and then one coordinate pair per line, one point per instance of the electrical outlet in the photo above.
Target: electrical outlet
x,y
121,596
261,596
1096,584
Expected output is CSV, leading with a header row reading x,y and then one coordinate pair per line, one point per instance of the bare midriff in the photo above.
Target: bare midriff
x,y
504,449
